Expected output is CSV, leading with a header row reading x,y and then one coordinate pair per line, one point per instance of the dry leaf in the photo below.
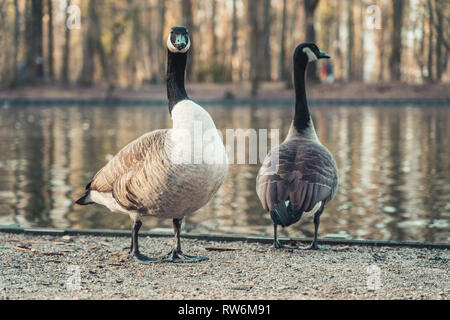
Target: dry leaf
x,y
243,287
198,274
11,240
231,261
22,248
53,254
67,238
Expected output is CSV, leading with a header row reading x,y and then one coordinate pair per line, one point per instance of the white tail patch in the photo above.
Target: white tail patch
x,y
106,199
313,210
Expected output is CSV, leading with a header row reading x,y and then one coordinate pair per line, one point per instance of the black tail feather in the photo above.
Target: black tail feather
x,y
83,200
284,215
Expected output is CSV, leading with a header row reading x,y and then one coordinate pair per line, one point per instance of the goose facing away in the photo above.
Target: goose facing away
x,y
154,175
299,176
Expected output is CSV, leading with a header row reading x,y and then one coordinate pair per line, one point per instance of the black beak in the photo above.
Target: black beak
x,y
180,46
323,55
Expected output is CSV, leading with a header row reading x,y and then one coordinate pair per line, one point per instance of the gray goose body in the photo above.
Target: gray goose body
x,y
300,176
306,176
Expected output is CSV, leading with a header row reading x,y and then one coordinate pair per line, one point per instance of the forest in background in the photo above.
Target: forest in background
x,y
122,43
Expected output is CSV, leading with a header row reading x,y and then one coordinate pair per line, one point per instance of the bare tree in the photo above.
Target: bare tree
x,y
188,20
381,35
266,31
66,50
255,44
93,47
396,43
16,41
351,41
89,46
214,43
439,40
132,58
234,29
34,41
282,73
50,39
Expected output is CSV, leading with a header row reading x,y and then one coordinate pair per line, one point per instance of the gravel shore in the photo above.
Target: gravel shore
x,y
46,267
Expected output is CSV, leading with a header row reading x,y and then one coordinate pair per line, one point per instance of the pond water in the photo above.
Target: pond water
x,y
394,166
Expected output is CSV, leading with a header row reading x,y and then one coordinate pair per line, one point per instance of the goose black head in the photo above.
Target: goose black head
x,y
178,40
308,51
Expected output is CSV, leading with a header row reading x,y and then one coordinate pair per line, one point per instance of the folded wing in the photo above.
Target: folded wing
x,y
134,174
303,173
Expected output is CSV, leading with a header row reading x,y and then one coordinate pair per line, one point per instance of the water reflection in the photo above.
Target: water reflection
x,y
393,162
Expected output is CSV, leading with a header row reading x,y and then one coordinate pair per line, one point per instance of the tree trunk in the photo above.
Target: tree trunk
x,y
134,48
151,47
351,41
118,30
214,43
336,49
88,67
266,31
439,41
381,43
254,41
34,40
161,36
292,30
396,53
361,42
430,41
234,29
16,42
188,20
92,46
66,50
309,7
282,73
50,40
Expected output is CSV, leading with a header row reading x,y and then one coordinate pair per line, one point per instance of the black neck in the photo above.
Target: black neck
x,y
302,117
176,65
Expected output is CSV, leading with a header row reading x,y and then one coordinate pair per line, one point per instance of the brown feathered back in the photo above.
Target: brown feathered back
x,y
146,149
142,178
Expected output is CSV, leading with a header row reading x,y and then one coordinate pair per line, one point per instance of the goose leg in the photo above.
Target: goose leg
x,y
176,255
135,245
276,243
314,245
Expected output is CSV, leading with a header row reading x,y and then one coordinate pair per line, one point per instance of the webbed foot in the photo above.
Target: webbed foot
x,y
314,246
139,257
178,257
278,245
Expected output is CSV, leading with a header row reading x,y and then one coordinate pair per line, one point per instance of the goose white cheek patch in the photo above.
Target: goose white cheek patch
x,y
311,56
173,49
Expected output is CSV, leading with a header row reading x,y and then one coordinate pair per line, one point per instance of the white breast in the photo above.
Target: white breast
x,y
194,137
